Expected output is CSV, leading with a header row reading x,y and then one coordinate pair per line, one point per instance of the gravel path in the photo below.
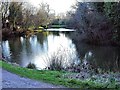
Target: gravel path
x,y
10,80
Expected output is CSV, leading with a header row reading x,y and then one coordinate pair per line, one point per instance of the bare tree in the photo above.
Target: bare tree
x,y
42,15
5,12
15,14
28,13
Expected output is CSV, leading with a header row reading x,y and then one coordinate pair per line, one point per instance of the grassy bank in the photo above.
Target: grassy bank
x,y
56,77
8,33
57,26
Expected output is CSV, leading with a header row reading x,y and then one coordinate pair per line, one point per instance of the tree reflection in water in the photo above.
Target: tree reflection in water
x,y
34,48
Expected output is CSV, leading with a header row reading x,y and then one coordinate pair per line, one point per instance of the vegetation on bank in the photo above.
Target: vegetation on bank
x,y
19,20
96,23
7,33
57,26
59,77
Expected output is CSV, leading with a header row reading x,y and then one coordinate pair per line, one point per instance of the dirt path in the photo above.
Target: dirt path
x,y
10,80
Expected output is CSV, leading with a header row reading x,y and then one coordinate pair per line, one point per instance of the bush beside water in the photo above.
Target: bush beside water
x,y
31,66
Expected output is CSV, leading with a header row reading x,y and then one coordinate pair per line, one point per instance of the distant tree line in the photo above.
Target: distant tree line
x,y
25,15
96,22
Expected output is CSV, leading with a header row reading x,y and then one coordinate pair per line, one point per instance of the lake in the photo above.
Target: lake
x,y
41,47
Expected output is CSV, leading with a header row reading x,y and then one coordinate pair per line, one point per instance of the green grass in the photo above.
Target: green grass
x,y
55,77
40,27
58,26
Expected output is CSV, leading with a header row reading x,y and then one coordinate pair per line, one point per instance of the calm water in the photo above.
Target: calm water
x,y
39,48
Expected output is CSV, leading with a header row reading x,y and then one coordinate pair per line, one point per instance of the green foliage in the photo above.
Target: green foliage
x,y
40,27
57,26
98,22
112,12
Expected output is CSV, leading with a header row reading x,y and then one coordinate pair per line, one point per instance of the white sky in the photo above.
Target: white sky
x,y
60,6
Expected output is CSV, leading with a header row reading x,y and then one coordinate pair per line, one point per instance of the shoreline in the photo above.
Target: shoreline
x,y
68,79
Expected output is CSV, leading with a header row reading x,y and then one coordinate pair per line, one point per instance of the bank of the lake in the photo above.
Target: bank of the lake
x,y
8,33
60,77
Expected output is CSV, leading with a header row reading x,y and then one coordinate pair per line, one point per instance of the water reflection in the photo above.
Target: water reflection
x,y
6,51
37,48
106,58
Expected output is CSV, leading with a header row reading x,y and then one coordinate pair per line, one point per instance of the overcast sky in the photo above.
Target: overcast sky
x,y
60,6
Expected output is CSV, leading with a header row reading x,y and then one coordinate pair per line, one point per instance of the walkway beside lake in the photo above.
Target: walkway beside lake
x,y
10,80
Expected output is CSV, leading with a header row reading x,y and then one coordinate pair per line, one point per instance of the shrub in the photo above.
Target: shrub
x,y
55,62
31,66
